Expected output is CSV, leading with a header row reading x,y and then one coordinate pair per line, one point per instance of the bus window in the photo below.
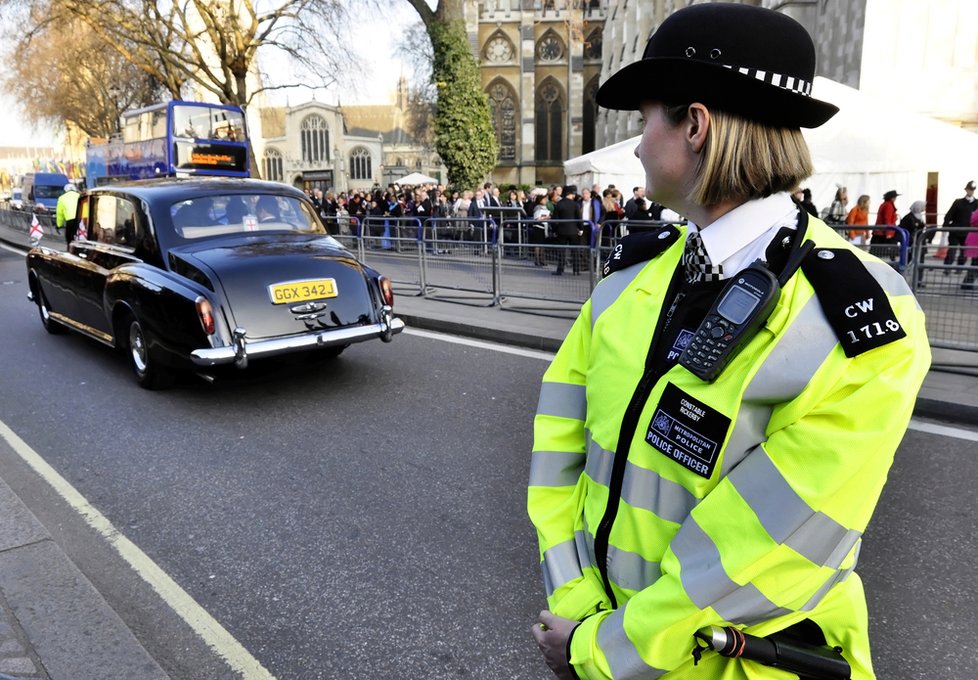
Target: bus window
x,y
130,129
190,121
227,124
158,124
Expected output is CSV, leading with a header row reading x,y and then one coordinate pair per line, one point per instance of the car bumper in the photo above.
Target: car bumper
x,y
242,350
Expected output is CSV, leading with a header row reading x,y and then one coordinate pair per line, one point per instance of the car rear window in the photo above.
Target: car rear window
x,y
207,216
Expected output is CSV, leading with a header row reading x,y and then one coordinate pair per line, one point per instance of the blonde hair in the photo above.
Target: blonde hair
x,y
745,159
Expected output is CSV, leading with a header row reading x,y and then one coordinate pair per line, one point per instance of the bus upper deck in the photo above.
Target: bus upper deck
x,y
173,138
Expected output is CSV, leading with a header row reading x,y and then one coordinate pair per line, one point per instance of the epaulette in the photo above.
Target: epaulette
x,y
640,247
854,303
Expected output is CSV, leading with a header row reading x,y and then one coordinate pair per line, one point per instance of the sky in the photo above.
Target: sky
x,y
14,131
374,42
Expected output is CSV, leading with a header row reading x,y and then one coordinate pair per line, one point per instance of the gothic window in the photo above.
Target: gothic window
x,y
272,165
314,135
360,164
592,46
549,121
590,115
499,50
502,107
550,47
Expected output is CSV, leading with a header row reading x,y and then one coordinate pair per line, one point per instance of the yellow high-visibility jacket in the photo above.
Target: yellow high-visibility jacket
x,y
67,208
740,502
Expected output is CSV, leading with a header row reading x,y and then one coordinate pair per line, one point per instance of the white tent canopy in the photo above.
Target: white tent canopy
x,y
416,178
615,164
870,147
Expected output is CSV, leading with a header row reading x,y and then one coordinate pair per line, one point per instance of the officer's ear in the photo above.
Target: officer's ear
x,y
697,125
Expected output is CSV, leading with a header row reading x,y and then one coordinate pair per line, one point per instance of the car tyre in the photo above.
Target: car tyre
x,y
50,325
149,374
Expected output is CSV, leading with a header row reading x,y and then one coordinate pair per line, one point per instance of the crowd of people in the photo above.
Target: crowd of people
x,y
560,215
884,240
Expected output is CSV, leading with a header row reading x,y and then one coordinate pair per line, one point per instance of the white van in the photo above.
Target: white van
x,y
17,198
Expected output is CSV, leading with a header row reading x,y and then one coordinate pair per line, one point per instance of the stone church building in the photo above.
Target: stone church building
x,y
540,63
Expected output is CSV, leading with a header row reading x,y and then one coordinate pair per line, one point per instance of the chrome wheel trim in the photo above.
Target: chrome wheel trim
x,y
137,348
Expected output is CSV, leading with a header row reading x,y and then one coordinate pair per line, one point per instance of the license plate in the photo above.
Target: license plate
x,y
301,291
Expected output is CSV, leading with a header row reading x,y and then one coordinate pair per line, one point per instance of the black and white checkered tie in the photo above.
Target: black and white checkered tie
x,y
697,262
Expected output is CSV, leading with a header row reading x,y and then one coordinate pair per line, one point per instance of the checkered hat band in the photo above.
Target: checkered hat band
x,y
796,85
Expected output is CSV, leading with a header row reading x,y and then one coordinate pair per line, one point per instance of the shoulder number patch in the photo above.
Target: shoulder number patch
x,y
687,431
640,247
854,303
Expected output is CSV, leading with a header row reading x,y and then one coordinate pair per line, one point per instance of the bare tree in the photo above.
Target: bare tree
x,y
80,81
211,46
416,50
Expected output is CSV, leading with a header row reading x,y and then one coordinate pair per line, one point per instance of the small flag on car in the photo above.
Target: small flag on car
x,y
81,234
36,232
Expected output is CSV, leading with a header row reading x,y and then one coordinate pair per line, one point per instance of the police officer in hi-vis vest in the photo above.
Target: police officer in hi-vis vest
x,y
713,435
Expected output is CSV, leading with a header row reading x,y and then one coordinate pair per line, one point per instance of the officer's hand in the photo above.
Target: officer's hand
x,y
551,634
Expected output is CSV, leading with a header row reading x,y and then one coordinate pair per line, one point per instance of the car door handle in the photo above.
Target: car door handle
x,y
83,255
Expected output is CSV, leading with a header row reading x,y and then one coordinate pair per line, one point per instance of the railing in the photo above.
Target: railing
x,y
474,261
943,278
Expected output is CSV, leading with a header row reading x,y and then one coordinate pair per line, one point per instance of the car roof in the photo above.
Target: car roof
x,y
179,189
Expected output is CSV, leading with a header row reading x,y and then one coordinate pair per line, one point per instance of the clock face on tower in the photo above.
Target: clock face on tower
x,y
549,48
499,49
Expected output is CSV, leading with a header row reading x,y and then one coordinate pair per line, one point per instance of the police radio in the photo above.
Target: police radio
x,y
739,312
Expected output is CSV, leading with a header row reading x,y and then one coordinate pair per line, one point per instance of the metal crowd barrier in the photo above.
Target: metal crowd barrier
x,y
474,261
392,245
944,277
888,243
529,259
349,234
19,221
459,259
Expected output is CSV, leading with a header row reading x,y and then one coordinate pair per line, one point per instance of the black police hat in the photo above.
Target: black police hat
x,y
747,60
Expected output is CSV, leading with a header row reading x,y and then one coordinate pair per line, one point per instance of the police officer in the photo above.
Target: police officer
x,y
667,496
959,215
65,214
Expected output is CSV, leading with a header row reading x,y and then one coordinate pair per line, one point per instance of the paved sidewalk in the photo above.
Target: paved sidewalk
x,y
54,625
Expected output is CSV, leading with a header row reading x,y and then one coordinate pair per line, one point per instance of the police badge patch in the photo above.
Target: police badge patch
x,y
687,431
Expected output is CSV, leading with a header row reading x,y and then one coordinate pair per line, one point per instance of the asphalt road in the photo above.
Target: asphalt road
x,y
366,518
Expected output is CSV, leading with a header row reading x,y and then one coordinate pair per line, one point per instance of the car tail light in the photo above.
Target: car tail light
x,y
206,315
387,291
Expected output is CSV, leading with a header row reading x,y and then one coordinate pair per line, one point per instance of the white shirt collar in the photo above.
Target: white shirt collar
x,y
732,233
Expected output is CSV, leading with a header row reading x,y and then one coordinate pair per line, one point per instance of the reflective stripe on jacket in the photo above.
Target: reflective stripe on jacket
x,y
772,536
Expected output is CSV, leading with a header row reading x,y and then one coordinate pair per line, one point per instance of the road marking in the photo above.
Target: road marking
x,y
945,430
918,425
13,249
200,621
505,349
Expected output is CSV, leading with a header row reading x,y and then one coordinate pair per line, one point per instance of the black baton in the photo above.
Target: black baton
x,y
810,662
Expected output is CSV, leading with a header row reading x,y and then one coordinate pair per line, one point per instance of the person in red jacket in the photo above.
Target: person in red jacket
x,y
886,239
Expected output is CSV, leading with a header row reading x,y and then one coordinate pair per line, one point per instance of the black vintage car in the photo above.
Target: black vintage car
x,y
187,274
